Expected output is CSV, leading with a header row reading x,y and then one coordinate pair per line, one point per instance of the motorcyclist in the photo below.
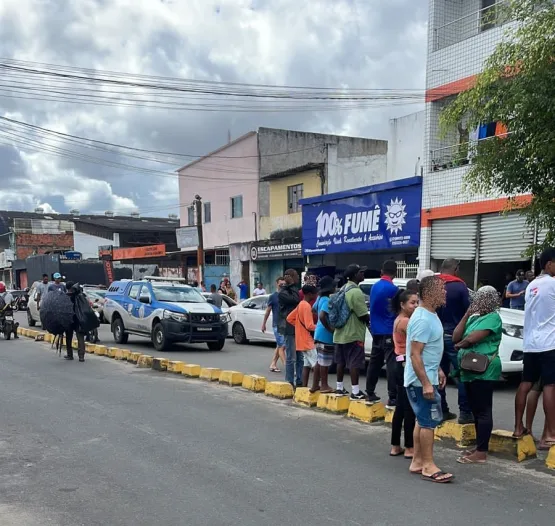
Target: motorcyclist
x,y
6,305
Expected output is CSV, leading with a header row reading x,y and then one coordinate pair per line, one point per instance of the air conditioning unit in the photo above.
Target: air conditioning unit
x,y
39,210
109,213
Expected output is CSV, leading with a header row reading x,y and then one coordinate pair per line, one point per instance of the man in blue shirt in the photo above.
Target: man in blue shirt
x,y
381,328
273,309
243,290
423,377
516,290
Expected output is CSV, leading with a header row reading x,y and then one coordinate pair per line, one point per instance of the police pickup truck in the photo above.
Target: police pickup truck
x,y
164,310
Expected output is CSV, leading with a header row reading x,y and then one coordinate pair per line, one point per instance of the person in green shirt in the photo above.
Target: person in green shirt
x,y
480,332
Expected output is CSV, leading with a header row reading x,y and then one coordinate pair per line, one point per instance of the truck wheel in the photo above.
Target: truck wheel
x,y
118,330
159,338
238,333
30,319
216,346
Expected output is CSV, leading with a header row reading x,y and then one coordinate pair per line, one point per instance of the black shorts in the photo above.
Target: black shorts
x,y
350,355
539,366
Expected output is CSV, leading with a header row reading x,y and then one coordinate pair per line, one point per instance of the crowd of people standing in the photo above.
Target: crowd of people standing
x,y
431,330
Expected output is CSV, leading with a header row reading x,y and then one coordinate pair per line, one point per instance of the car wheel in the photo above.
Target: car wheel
x,y
216,346
118,330
30,319
238,333
159,338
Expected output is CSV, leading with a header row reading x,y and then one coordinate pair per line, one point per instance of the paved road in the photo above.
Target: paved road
x,y
255,359
103,443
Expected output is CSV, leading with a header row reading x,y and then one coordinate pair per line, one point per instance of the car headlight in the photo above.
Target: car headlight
x,y
514,331
225,318
175,316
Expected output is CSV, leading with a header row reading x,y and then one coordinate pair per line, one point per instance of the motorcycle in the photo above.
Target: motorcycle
x,y
20,303
7,323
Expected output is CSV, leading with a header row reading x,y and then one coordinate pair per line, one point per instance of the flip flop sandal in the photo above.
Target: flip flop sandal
x,y
397,454
466,460
327,391
525,432
408,458
435,477
546,447
275,370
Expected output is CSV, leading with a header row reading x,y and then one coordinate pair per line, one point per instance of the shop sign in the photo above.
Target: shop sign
x,y
71,255
284,251
150,251
187,237
379,217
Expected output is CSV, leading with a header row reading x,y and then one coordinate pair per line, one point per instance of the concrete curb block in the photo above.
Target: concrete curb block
x,y
112,351
212,374
304,397
281,390
175,367
334,403
145,361
191,370
389,416
160,364
231,378
100,350
550,460
122,354
503,443
463,434
366,412
254,382
133,357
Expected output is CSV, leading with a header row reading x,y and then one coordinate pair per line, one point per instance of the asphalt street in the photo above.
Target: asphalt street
x,y
254,358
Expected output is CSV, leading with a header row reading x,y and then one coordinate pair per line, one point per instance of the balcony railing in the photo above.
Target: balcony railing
x,y
470,25
449,157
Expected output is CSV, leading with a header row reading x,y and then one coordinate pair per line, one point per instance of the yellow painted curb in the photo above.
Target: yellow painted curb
x,y
112,351
20,331
191,370
389,415
144,361
122,354
550,460
366,412
254,382
175,367
231,378
49,338
503,443
463,434
133,357
160,364
280,390
334,403
212,374
89,348
100,350
303,396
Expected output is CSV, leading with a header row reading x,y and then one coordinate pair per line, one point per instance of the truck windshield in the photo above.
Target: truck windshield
x,y
177,294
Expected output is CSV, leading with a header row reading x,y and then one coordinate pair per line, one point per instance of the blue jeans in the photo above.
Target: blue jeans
x,y
293,360
448,361
428,412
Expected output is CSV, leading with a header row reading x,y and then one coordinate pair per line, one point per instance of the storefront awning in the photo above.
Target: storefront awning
x,y
378,217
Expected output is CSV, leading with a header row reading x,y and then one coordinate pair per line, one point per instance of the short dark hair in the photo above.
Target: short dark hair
x,y
520,271
413,286
427,285
351,271
279,279
213,287
45,275
450,264
309,289
389,268
546,256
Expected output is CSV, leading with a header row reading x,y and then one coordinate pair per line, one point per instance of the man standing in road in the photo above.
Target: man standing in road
x,y
273,309
349,339
288,298
457,303
381,328
42,289
516,290
57,285
539,348
215,297
423,377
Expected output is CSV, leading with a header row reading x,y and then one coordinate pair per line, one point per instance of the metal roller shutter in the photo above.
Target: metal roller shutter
x,y
503,237
454,238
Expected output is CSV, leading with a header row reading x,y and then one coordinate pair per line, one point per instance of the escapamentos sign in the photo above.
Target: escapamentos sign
x,y
260,251
385,216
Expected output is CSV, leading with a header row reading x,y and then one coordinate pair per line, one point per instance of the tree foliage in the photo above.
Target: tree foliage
x,y
517,88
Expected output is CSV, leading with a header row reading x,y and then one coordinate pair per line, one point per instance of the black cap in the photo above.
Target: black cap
x,y
352,270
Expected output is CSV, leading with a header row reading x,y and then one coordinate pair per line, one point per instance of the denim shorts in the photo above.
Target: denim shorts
x,y
428,412
280,338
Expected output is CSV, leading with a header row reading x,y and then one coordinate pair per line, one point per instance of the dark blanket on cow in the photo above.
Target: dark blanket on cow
x,y
56,312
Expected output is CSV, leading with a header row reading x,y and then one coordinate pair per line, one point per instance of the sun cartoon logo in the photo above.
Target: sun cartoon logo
x,y
395,216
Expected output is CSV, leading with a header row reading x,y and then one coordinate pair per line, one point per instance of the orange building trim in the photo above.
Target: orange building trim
x,y
453,88
470,209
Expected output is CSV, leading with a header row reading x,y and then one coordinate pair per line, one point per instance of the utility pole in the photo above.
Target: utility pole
x,y
200,249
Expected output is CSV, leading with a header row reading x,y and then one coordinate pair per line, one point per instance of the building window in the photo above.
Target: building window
x,y
207,213
222,257
237,207
294,195
191,216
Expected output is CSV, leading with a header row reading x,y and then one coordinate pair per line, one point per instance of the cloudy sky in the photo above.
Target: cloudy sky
x,y
321,43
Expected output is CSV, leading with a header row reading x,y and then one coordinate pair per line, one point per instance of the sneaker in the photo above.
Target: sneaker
x,y
66,357
447,415
373,397
391,404
341,392
359,396
466,418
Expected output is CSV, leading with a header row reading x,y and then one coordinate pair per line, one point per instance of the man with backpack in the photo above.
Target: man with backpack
x,y
348,314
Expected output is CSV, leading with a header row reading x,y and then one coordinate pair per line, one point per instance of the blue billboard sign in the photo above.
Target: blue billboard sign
x,y
379,217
